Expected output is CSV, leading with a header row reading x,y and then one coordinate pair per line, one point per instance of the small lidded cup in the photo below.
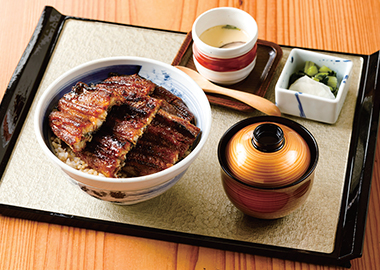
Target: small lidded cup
x,y
225,44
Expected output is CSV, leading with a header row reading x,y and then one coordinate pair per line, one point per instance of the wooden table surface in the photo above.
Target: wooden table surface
x,y
340,25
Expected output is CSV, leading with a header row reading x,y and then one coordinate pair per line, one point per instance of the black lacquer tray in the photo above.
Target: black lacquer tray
x,y
353,210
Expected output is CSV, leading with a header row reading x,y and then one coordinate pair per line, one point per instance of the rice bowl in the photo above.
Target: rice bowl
x,y
161,74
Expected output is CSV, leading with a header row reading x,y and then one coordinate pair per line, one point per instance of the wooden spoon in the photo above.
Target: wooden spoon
x,y
252,100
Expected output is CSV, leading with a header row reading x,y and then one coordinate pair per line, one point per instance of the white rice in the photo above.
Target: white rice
x,y
66,155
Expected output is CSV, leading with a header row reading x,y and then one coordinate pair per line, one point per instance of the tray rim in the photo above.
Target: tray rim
x,y
352,220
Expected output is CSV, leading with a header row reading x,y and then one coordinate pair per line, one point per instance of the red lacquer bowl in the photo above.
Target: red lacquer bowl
x,y
267,165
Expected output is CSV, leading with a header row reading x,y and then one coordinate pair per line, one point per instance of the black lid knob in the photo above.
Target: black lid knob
x,y
268,138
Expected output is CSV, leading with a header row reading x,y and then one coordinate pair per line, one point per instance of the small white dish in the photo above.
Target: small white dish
x,y
306,105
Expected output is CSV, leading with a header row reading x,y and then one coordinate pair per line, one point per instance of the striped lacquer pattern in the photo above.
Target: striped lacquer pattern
x,y
263,169
266,203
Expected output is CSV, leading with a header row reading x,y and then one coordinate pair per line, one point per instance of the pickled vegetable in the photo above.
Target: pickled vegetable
x,y
310,69
323,75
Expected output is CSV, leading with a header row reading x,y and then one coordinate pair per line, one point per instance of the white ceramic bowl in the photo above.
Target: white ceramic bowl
x,y
125,190
306,105
225,65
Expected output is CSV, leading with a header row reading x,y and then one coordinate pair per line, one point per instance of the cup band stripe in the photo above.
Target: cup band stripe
x,y
225,64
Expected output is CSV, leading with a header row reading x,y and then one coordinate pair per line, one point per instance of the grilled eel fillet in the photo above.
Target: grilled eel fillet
x,y
84,109
166,141
124,126
140,140
172,103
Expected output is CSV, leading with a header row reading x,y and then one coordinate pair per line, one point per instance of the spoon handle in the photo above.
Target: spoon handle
x,y
252,100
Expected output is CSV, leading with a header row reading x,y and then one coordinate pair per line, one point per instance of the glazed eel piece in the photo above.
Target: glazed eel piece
x,y
121,131
140,139
172,103
125,121
165,142
83,110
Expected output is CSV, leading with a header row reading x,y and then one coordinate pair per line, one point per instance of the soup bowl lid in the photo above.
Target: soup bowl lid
x,y
267,154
